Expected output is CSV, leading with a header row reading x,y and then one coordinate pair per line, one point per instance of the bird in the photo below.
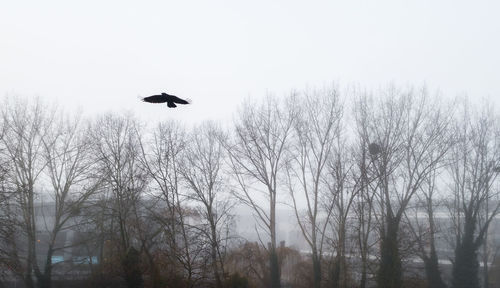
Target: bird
x,y
164,97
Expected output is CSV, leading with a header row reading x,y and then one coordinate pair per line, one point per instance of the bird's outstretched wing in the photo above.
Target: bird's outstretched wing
x,y
178,100
155,99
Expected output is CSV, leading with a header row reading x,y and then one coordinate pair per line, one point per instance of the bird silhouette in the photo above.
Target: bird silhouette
x,y
164,97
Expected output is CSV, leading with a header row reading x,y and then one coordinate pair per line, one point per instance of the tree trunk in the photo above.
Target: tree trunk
x,y
218,281
466,266
431,264
390,274
44,281
486,280
28,280
362,283
335,273
273,255
155,273
275,269
316,269
432,272
133,274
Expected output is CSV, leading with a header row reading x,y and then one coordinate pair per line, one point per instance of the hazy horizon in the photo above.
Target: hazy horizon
x,y
102,56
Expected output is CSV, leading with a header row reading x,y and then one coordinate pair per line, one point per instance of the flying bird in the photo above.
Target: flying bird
x,y
164,97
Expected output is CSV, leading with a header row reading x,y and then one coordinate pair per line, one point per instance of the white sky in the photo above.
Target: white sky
x,y
100,55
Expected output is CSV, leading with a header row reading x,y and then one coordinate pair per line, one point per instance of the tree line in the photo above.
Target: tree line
x,y
369,178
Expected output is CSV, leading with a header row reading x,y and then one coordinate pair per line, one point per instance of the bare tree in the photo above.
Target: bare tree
x,y
409,143
316,129
116,149
364,208
257,158
7,221
425,231
343,187
161,157
202,170
26,124
474,170
67,153
37,143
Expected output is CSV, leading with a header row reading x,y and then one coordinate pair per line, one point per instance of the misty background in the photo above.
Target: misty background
x,y
101,55
98,59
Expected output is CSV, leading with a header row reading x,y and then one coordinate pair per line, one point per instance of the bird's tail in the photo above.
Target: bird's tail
x,y
189,100
140,98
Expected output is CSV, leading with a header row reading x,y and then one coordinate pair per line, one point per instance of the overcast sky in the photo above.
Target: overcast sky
x,y
101,55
